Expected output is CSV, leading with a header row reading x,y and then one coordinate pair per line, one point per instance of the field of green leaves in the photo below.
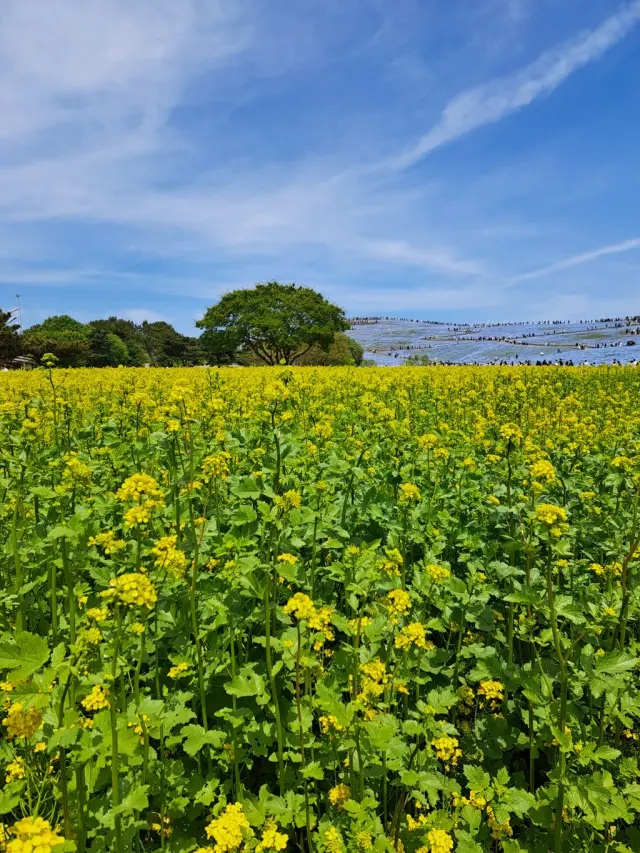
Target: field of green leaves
x,y
322,610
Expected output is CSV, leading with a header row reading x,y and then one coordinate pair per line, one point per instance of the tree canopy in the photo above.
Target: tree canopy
x,y
9,337
108,343
277,322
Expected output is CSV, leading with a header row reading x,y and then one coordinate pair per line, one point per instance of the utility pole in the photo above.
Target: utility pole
x,y
19,312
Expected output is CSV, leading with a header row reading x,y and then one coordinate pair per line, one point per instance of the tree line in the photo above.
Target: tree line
x,y
99,343
270,323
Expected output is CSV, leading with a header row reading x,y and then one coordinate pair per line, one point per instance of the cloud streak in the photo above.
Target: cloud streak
x,y
493,101
579,260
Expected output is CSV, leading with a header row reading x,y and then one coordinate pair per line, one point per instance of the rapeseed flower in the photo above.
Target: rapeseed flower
x,y
33,835
447,750
169,556
300,606
138,486
413,635
133,589
339,794
15,770
96,700
271,838
21,721
230,829
409,492
332,841
437,573
398,603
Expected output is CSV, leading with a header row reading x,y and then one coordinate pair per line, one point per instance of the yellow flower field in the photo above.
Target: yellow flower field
x,y
320,609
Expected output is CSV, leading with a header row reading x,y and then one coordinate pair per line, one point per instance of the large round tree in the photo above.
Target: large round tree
x,y
277,322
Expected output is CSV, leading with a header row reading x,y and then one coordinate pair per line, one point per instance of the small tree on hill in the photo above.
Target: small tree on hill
x,y
278,322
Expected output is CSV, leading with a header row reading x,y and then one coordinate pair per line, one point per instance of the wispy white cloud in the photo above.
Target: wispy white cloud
x,y
438,259
579,260
493,101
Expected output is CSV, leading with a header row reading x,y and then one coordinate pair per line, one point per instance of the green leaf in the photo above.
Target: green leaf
x,y
409,777
477,778
613,663
243,515
8,802
246,683
568,607
197,738
61,531
135,801
25,654
313,770
606,753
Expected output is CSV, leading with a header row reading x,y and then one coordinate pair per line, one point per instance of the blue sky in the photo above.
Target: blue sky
x,y
446,159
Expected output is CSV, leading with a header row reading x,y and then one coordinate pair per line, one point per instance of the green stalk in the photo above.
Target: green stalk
x,y
115,769
274,686
234,702
303,760
195,628
564,687
53,598
71,599
22,614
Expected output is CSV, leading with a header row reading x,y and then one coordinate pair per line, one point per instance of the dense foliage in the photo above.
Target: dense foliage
x,y
278,323
9,337
320,610
109,343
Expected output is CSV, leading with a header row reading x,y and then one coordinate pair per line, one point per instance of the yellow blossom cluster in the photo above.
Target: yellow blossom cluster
x,y
438,841
374,683
413,635
272,839
96,700
91,636
437,573
133,589
491,693
447,750
178,670
98,614
300,606
552,517
15,770
169,557
543,470
108,541
33,835
614,569
332,841
216,465
409,493
21,721
339,794
230,829
398,603
140,486
328,722
391,562
288,501
319,619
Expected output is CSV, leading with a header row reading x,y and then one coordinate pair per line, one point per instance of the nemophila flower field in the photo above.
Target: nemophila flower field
x,y
326,610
